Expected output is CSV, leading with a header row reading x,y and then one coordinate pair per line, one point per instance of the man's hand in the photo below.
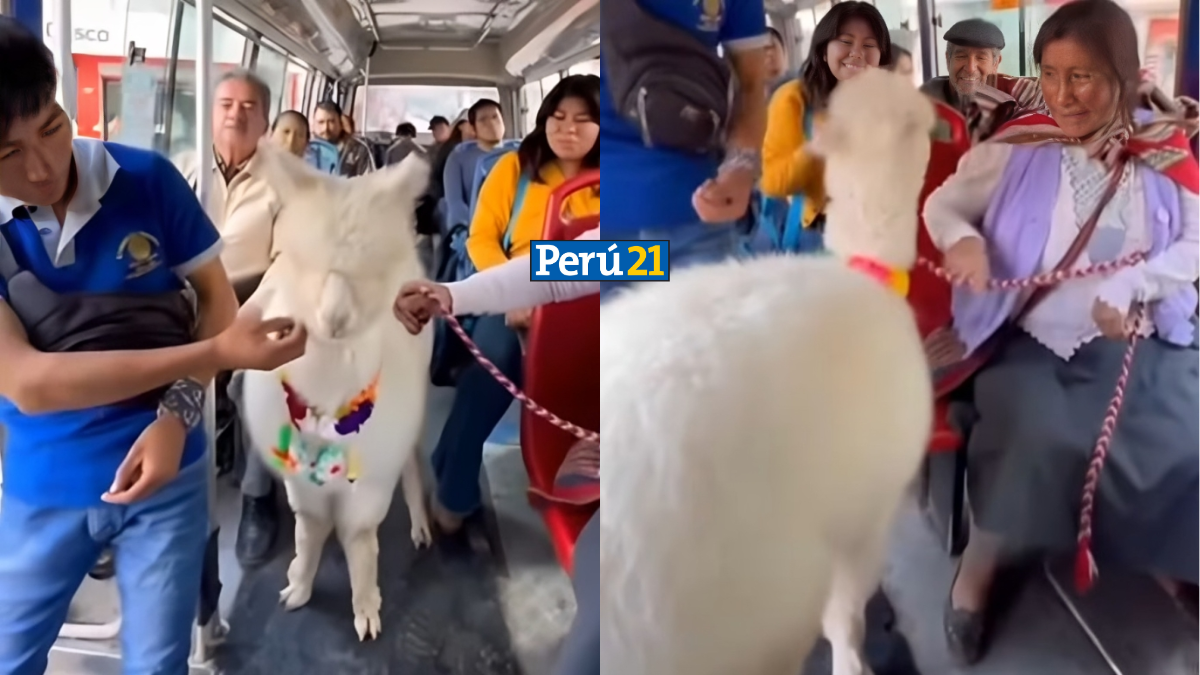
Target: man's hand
x,y
519,319
725,198
418,302
152,462
1113,323
250,343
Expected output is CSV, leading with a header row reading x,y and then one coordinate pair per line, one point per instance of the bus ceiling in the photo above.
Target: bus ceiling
x,y
470,42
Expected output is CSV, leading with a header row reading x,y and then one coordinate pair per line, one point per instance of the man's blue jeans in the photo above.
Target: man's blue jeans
x,y
693,244
159,548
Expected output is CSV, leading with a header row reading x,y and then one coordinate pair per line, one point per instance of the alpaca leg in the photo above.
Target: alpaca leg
x,y
855,578
414,498
362,558
311,534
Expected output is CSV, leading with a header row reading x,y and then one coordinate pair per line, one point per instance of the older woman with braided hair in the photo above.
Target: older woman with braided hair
x,y
1081,173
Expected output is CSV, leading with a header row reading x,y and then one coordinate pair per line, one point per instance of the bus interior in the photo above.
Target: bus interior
x,y
497,602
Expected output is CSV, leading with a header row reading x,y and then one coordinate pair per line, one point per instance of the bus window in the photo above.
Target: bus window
x,y
532,94
589,67
228,48
294,83
271,66
1157,24
391,105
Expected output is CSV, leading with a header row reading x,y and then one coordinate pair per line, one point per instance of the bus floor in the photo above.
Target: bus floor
x,y
458,609
490,601
1138,625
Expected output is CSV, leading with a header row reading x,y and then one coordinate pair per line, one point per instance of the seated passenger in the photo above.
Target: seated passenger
x,y
902,62
459,132
852,36
510,213
972,57
486,119
290,132
404,145
354,155
103,367
1020,205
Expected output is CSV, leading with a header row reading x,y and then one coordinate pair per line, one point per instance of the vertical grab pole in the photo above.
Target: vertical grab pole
x,y
61,47
206,636
366,98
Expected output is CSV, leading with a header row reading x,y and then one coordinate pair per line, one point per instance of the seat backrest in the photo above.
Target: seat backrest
x,y
562,362
929,295
484,167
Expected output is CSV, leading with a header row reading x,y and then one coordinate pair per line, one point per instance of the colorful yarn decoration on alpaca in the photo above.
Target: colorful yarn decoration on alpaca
x,y
319,450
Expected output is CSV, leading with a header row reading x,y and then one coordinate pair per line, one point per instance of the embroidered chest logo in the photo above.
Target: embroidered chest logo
x,y
140,251
712,12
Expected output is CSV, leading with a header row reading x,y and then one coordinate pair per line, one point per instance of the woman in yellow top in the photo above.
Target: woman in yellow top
x,y
562,144
509,213
851,37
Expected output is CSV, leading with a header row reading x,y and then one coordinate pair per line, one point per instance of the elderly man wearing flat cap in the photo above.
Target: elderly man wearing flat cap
x,y
972,54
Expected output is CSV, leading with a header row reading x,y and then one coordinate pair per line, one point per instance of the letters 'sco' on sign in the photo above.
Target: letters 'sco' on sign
x,y
593,260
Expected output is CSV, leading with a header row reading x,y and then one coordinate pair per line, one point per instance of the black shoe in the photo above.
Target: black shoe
x,y
965,630
257,531
104,567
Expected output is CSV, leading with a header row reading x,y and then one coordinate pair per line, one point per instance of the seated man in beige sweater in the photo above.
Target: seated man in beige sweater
x,y
243,208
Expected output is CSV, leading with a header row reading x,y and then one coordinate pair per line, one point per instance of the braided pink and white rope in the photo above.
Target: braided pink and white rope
x,y
576,431
1086,571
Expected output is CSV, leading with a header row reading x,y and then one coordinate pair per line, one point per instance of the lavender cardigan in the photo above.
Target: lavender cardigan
x,y
1024,204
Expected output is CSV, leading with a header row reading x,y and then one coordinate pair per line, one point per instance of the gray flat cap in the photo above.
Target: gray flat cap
x,y
975,33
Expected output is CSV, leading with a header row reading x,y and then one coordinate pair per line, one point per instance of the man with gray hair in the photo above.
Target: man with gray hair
x,y
972,55
244,208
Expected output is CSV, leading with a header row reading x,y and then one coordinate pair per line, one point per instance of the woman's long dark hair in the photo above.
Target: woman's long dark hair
x,y
443,155
816,79
535,151
1106,32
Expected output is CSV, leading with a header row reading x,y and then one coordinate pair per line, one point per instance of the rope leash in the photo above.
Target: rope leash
x,y
576,431
1086,571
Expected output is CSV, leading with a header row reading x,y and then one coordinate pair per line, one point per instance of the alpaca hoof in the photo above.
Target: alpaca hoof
x,y
421,534
295,596
366,623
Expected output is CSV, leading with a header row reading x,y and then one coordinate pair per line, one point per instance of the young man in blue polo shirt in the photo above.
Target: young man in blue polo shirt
x,y
693,201
95,458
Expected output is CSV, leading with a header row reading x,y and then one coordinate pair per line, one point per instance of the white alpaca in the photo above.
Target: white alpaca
x,y
761,423
345,247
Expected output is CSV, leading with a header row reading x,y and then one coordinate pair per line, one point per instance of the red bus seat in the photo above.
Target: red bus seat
x,y
562,373
943,476
929,295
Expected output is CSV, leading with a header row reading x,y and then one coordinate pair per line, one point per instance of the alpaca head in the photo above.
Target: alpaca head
x,y
345,244
875,141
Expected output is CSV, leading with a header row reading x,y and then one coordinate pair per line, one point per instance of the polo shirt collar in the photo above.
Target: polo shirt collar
x,y
95,170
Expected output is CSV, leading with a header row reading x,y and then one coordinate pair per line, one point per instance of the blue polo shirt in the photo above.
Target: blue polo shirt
x,y
655,185
133,226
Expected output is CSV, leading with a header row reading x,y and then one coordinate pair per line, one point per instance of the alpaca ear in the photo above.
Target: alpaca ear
x,y
407,179
287,173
